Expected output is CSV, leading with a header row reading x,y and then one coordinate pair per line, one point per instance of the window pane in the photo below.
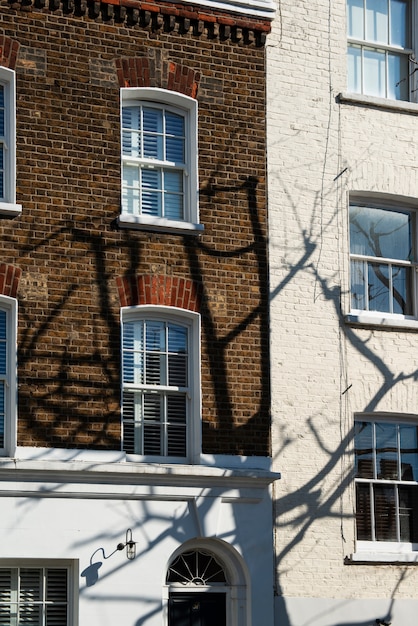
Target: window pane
x,y
1,171
173,207
374,68
56,585
173,181
130,190
408,514
177,338
399,23
174,125
155,336
386,451
2,109
358,277
153,128
130,132
56,615
153,146
177,370
175,150
7,618
363,445
363,513
173,199
355,15
3,344
152,121
155,369
409,452
402,290
385,513
398,77
377,17
378,287
176,441
132,411
381,232
151,200
5,586
354,69
175,137
176,418
133,360
2,413
153,407
30,585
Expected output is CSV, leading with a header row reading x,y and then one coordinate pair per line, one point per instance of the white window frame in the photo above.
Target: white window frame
x,y
187,106
9,305
365,44
374,549
384,318
43,564
8,204
191,320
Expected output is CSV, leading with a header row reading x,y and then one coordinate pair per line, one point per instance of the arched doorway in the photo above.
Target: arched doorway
x,y
206,585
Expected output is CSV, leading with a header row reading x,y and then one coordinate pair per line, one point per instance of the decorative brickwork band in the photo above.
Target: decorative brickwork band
x,y
142,72
162,17
8,52
9,279
160,290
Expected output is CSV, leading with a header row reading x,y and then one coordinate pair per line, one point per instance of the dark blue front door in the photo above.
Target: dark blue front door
x,y
197,609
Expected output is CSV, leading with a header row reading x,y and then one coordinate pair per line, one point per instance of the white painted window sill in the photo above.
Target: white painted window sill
x,y
159,224
383,321
383,557
382,103
10,209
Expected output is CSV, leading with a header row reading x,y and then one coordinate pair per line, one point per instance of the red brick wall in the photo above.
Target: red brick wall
x,y
74,260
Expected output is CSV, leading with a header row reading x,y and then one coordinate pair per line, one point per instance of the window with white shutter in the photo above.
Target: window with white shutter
x,y
386,479
8,315
35,596
159,160
8,204
160,400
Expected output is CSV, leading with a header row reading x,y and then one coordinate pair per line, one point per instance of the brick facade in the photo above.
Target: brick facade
x,y
75,263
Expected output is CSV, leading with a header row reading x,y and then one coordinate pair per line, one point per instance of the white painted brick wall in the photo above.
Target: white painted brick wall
x,y
311,139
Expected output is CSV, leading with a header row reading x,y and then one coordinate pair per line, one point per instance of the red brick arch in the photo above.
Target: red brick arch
x,y
8,52
159,290
140,72
9,279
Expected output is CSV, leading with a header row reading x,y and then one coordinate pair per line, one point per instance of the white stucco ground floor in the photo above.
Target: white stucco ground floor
x,y
344,612
202,537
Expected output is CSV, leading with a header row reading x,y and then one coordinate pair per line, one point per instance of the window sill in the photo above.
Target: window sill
x,y
10,209
381,321
381,103
159,224
382,557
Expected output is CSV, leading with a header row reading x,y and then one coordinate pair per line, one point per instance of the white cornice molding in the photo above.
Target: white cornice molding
x,y
68,478
251,8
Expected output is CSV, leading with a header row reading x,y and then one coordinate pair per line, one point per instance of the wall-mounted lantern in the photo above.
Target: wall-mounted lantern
x,y
129,544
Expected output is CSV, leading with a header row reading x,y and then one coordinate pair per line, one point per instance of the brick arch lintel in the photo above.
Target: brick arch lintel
x,y
141,72
9,49
9,279
173,291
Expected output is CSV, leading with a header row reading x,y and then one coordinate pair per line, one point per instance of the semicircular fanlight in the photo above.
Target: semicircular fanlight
x,y
196,568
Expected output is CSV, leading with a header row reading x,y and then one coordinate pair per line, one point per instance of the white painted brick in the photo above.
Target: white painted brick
x,y
311,139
